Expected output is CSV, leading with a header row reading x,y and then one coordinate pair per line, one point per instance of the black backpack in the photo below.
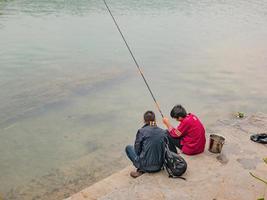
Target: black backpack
x,y
174,164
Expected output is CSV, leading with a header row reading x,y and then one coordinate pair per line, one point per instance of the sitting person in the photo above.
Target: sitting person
x,y
189,136
147,153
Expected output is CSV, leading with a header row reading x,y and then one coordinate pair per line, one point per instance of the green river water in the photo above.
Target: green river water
x,y
71,97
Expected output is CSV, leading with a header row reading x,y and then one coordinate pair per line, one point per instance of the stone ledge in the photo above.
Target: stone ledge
x,y
209,176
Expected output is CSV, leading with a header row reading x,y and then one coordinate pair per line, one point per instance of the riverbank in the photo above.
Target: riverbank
x,y
209,176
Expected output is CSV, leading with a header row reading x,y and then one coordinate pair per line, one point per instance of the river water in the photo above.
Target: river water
x,y
71,97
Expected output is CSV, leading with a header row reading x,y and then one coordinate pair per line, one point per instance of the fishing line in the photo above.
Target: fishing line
x,y
137,65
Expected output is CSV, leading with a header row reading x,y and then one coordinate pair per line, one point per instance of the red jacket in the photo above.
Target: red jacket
x,y
193,135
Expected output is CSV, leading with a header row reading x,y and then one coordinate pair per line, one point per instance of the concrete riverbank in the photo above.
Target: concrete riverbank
x,y
224,176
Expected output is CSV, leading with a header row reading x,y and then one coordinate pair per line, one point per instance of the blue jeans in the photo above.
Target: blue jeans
x,y
131,153
134,158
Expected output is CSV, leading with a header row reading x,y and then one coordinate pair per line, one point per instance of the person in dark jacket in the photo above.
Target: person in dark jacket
x,y
147,152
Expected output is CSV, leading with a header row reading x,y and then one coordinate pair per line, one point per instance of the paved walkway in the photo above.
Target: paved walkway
x,y
209,176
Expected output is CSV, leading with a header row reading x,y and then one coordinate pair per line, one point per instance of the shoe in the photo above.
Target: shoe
x,y
260,138
136,174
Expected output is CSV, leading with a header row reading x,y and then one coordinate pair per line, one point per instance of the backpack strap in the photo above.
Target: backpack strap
x,y
171,176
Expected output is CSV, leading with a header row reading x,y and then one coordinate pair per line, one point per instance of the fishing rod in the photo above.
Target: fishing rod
x,y
137,65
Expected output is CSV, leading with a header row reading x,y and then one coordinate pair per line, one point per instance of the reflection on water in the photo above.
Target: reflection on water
x,y
71,98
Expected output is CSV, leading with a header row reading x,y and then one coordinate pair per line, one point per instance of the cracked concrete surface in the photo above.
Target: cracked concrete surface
x,y
222,176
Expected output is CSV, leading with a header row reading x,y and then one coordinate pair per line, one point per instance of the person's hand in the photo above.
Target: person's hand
x,y
166,121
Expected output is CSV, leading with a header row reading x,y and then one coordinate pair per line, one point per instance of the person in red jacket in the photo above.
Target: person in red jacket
x,y
189,136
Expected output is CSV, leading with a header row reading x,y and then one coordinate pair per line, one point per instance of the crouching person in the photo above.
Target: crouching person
x,y
147,152
189,136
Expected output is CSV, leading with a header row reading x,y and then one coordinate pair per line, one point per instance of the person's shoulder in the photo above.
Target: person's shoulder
x,y
161,130
140,129
191,116
143,128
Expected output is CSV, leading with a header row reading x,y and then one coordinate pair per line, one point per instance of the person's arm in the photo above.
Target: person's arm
x,y
138,143
173,131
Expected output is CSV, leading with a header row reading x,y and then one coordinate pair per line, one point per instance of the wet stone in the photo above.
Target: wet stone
x,y
248,163
222,158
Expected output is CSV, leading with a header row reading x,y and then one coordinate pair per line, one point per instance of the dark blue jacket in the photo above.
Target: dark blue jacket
x,y
149,147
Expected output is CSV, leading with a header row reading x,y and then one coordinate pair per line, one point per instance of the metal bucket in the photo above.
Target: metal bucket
x,y
216,143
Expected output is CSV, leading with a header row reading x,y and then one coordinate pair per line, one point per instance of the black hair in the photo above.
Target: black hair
x,y
149,116
178,111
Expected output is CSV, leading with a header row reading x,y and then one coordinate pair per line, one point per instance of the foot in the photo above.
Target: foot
x,y
136,174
